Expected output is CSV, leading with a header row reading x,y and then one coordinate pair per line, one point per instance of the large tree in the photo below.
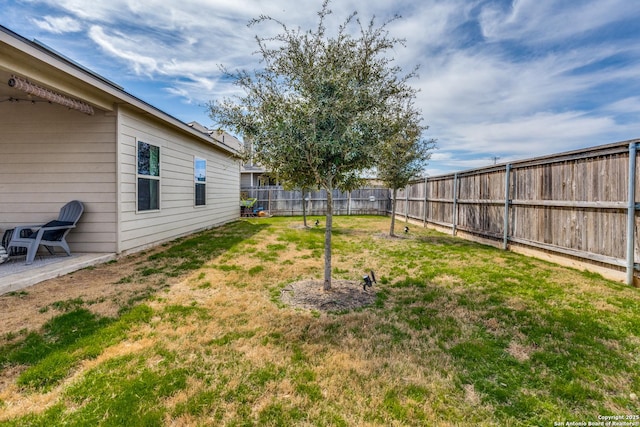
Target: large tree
x,y
404,155
317,106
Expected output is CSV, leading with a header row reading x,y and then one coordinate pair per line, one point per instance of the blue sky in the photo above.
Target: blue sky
x,y
506,79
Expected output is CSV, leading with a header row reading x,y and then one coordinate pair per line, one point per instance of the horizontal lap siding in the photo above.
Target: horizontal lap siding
x,y
177,215
50,155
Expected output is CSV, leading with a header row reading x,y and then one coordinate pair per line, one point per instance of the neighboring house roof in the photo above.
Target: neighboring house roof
x,y
249,165
220,135
43,66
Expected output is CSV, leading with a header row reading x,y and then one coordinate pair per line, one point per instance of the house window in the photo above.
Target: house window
x,y
148,177
200,181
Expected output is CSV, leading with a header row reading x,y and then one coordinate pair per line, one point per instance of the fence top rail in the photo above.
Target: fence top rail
x,y
316,191
584,153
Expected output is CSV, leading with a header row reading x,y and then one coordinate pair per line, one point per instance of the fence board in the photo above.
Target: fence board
x,y
572,203
280,202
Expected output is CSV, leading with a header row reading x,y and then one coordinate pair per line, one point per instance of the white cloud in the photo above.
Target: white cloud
x,y
628,105
534,21
182,93
124,48
466,85
87,9
490,85
535,134
58,25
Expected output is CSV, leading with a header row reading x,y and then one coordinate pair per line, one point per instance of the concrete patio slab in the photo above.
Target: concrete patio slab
x,y
15,275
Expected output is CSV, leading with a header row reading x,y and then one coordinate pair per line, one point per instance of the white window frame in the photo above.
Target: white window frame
x,y
149,177
199,180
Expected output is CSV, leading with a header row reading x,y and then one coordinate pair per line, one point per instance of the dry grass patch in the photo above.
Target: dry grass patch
x,y
454,333
104,290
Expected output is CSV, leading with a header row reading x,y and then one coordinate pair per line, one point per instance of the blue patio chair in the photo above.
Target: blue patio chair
x,y
49,235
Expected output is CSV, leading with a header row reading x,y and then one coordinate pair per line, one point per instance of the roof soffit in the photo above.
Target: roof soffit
x,y
38,72
35,63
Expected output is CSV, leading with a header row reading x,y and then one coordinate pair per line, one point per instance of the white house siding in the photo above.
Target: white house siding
x,y
247,180
178,214
50,155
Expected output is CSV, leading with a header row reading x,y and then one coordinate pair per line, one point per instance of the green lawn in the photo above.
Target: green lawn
x,y
460,334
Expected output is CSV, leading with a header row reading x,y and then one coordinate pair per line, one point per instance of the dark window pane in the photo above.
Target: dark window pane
x,y
201,194
148,190
148,159
154,160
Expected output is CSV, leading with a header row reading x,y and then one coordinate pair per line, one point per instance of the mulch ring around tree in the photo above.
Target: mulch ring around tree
x,y
343,295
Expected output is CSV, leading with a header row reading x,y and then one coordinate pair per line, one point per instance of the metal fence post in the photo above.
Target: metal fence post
x,y
454,219
505,242
631,213
426,200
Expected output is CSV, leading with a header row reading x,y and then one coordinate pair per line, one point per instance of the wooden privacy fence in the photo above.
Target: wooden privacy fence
x,y
280,202
580,203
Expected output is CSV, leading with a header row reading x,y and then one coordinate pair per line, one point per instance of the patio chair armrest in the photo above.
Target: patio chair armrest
x,y
58,227
17,230
39,233
22,227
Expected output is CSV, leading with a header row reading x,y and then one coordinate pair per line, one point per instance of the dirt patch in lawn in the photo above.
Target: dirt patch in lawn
x,y
100,289
343,295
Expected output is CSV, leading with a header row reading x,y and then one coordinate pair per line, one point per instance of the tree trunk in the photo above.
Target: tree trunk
x,y
393,212
327,241
304,209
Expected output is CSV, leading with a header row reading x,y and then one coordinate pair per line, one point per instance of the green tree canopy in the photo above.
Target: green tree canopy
x,y
316,109
404,155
